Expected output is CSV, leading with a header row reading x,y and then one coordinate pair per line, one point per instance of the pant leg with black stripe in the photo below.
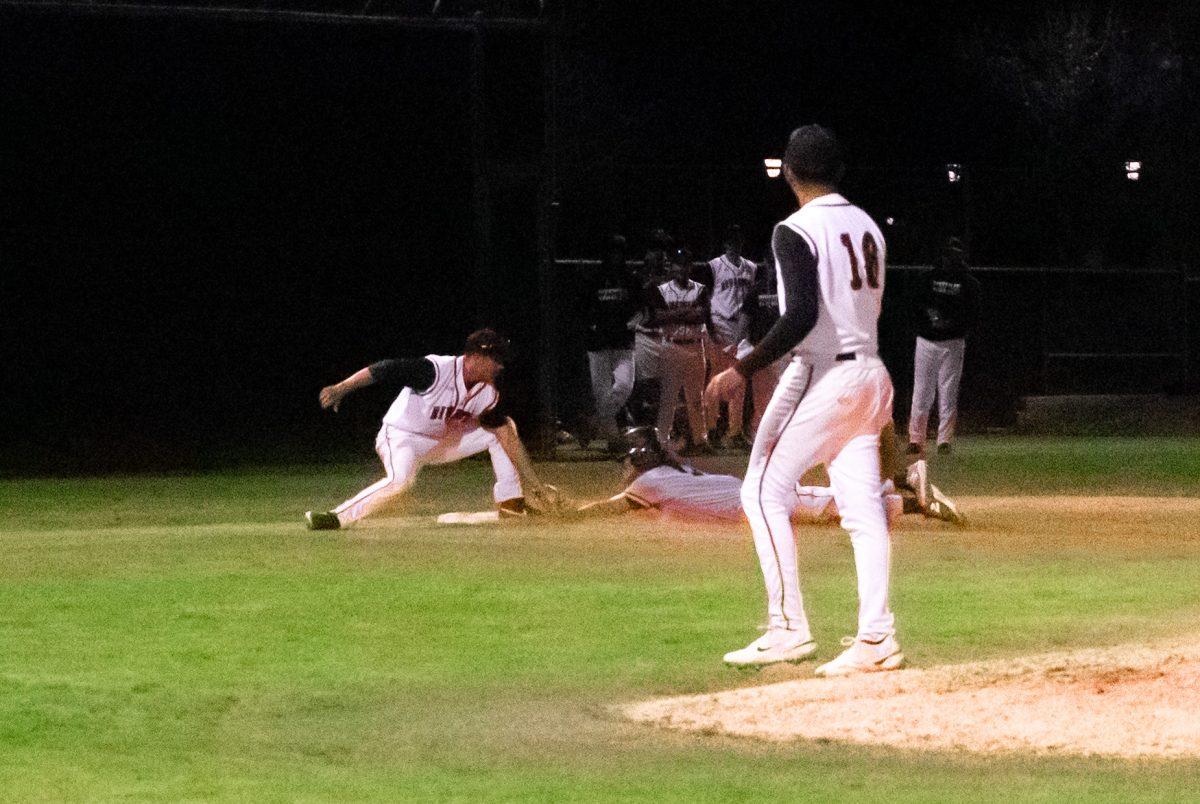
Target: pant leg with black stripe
x,y
828,413
402,456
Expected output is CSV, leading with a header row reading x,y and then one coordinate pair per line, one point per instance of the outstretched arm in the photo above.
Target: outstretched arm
x,y
417,373
332,395
613,506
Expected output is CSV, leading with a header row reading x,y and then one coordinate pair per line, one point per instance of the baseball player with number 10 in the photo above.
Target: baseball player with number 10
x,y
829,407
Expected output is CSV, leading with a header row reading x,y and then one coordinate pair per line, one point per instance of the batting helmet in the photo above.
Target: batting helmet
x,y
645,450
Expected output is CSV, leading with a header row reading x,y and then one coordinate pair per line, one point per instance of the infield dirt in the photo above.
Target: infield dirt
x,y
1131,701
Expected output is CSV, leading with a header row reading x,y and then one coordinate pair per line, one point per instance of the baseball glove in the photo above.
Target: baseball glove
x,y
548,500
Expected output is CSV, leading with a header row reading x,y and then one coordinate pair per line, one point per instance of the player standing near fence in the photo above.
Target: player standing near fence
x,y
681,308
829,407
732,285
613,296
947,308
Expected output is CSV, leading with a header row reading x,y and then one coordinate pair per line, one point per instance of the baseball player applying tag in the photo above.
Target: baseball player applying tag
x,y
446,411
829,407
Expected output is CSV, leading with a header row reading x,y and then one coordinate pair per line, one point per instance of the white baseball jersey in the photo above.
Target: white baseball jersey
x,y
447,404
676,296
732,283
688,493
850,254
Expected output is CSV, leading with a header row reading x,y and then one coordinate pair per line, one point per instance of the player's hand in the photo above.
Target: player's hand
x,y
332,396
725,385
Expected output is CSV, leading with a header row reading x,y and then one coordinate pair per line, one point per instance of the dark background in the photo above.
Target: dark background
x,y
203,221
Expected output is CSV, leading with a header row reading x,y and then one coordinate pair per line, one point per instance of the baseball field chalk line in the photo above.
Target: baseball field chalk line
x,y
1127,701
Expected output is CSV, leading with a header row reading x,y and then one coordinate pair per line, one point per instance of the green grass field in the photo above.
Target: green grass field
x,y
178,637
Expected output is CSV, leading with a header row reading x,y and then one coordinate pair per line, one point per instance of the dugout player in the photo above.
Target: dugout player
x,y
947,308
680,309
762,311
447,410
829,407
612,299
732,286
648,344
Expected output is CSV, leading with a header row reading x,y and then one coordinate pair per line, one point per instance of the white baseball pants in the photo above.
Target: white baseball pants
x,y
938,369
827,412
404,453
682,369
612,383
816,505
647,356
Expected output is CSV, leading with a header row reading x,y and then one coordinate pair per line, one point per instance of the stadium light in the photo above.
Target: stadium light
x,y
890,221
1133,169
774,167
954,172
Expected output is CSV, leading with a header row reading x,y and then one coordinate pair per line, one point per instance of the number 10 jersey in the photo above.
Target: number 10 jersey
x,y
850,255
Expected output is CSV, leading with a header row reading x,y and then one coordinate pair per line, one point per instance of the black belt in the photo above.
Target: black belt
x,y
689,340
844,356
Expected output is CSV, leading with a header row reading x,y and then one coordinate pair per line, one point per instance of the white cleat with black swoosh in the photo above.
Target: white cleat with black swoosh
x,y
864,656
773,646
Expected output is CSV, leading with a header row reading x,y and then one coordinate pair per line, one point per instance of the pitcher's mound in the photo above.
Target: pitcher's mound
x,y
1126,702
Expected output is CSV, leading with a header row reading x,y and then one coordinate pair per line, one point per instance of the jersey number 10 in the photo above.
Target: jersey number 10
x,y
870,252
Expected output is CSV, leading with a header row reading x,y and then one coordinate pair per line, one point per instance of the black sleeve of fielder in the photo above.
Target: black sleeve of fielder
x,y
493,418
798,270
417,373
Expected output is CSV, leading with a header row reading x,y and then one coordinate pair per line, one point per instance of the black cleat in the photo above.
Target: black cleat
x,y
944,449
913,449
514,508
322,520
739,442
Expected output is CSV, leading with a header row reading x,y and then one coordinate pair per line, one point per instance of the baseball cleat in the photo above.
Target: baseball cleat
x,y
772,647
515,507
739,441
942,507
322,520
944,450
864,657
918,480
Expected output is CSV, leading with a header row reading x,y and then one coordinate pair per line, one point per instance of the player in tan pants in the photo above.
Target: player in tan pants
x,y
680,308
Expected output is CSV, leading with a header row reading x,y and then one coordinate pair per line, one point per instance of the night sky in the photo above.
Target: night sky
x,y
203,221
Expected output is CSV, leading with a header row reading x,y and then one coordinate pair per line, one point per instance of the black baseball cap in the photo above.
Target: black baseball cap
x,y
490,343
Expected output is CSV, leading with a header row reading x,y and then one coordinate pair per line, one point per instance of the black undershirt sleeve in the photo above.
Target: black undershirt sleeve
x,y
493,418
801,292
417,373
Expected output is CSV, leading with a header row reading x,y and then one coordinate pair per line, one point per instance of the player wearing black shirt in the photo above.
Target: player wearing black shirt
x,y
947,309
